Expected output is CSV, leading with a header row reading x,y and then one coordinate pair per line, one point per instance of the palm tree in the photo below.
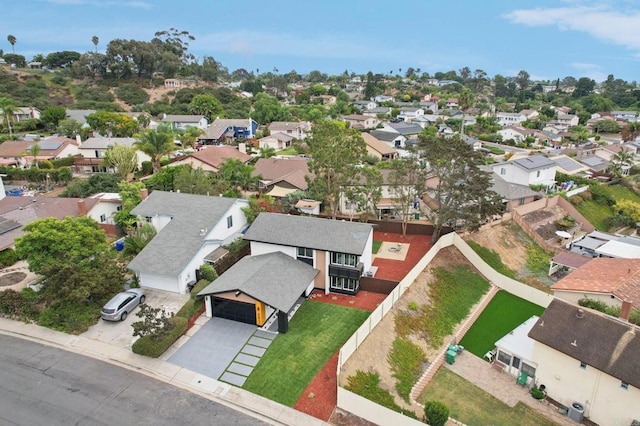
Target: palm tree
x,y
581,136
95,40
621,162
8,112
190,136
12,41
33,151
466,100
156,144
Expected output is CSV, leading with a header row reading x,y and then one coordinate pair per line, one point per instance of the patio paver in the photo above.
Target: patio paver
x,y
253,350
240,369
258,341
247,359
265,334
234,379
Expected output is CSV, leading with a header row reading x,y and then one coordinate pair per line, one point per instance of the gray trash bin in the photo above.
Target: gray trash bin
x,y
576,412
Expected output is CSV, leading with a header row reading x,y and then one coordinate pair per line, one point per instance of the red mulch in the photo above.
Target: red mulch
x,y
320,397
396,270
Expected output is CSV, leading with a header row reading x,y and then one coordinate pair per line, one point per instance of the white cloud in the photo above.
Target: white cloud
x,y
592,71
137,4
620,27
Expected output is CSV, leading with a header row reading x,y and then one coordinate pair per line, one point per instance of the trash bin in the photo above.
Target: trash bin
x,y
576,412
120,245
451,356
416,215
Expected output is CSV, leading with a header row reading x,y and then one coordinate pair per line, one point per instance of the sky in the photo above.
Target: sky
x,y
549,39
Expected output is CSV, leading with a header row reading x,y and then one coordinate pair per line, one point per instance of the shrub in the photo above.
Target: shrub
x,y
537,393
70,317
147,168
208,273
18,305
131,94
367,385
152,325
565,223
436,413
200,286
406,361
8,257
148,346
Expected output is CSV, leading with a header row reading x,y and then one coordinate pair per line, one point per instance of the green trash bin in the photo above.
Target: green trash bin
x,y
451,356
416,215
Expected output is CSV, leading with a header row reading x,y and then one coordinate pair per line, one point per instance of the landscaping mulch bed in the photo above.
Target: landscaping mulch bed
x,y
396,270
12,278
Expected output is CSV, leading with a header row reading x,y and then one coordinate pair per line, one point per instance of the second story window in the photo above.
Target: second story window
x,y
344,259
306,255
229,221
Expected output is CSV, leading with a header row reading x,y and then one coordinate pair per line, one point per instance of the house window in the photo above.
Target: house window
x,y
342,283
229,221
344,259
538,173
305,255
503,171
516,362
504,358
583,365
526,368
103,218
624,385
521,201
119,208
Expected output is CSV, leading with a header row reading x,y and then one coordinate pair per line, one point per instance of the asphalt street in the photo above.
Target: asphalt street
x,y
41,385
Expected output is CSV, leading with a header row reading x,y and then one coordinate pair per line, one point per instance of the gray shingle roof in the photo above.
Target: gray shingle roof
x,y
310,232
273,278
511,191
617,348
104,143
175,245
534,162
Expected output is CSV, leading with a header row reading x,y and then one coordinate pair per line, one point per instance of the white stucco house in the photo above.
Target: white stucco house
x,y
532,170
189,227
94,150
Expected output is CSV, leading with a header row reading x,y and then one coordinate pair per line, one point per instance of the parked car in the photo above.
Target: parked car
x,y
122,304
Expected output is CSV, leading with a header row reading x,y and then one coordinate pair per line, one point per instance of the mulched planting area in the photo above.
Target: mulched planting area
x,y
396,270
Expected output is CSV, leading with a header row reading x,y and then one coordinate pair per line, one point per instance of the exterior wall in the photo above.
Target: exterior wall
x,y
220,232
104,208
159,282
322,265
188,274
160,222
515,174
240,298
367,256
258,248
68,151
574,296
604,400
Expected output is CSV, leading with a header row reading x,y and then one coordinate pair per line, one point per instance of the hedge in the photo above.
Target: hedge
x,y
194,304
148,346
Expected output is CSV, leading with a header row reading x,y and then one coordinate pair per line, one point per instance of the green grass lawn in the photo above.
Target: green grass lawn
x,y
504,313
287,151
315,333
596,213
471,405
376,246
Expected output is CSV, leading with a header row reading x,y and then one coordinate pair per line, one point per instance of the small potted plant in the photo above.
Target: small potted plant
x,y
538,393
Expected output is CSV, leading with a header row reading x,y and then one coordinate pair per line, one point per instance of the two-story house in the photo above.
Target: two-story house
x,y
297,129
340,250
361,122
181,122
93,151
510,118
379,149
280,177
365,104
189,227
409,114
229,129
569,120
532,170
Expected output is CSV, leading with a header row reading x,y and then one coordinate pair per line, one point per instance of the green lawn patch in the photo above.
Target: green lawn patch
x,y
376,246
595,213
538,259
315,333
596,210
504,313
493,259
471,405
287,151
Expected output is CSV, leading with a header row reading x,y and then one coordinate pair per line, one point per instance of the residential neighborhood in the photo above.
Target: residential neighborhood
x,y
363,248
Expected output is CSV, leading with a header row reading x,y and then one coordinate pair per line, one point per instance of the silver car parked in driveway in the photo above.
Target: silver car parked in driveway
x,y
122,304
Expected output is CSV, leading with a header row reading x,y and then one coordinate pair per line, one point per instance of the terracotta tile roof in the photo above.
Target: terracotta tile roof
x,y
215,155
290,170
572,260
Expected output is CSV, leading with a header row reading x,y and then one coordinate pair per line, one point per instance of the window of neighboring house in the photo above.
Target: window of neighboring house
x,y
624,385
341,283
504,358
305,255
503,171
103,218
538,173
98,169
119,208
344,259
521,201
229,221
583,365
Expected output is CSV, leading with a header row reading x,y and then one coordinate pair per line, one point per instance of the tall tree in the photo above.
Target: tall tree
x,y
466,100
130,196
190,136
336,153
207,105
191,181
365,194
8,112
156,143
52,116
237,175
12,41
123,159
406,184
33,150
95,40
621,162
522,79
462,194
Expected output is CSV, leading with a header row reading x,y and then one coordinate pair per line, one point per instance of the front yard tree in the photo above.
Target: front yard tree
x,y
130,197
123,159
406,184
156,144
365,194
462,193
336,153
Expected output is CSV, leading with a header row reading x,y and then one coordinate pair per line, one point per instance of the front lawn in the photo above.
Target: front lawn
x,y
376,246
315,333
504,313
471,405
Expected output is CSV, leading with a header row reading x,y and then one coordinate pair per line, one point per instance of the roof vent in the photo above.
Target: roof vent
x,y
574,343
580,313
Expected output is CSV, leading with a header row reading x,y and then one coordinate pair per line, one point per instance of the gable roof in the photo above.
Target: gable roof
x,y
377,145
220,126
385,136
104,143
534,162
169,252
510,191
291,170
568,165
406,128
215,155
283,126
618,343
80,115
49,147
310,232
273,278
182,118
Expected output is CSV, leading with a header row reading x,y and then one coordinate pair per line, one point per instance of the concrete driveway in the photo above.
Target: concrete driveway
x,y
120,333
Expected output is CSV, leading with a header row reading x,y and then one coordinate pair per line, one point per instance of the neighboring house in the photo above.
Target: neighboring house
x,y
277,141
530,114
569,166
211,158
297,129
361,122
429,106
80,115
104,210
364,105
427,120
512,194
595,164
189,227
452,103
25,113
624,115
258,287
532,170
514,352
181,122
93,150
602,244
229,129
569,120
590,358
379,149
608,280
16,153
383,98
405,129
310,207
378,111
340,250
281,176
474,143
517,133
510,118
409,114
391,138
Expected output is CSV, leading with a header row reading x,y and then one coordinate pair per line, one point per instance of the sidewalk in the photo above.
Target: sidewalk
x,y
222,393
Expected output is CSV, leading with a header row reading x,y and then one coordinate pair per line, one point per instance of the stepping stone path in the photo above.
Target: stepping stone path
x,y
243,364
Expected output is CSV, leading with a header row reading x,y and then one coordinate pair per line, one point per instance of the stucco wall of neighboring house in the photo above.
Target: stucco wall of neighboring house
x,y
322,266
106,209
601,395
231,295
68,151
575,296
517,175
159,282
221,231
160,222
195,164
367,256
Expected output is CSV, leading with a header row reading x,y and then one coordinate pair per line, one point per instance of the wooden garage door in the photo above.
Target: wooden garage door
x,y
236,311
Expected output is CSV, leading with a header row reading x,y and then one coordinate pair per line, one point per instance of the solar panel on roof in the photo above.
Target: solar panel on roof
x,y
49,145
7,225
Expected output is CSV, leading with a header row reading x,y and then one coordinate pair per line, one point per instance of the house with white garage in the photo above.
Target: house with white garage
x,y
189,227
340,250
258,287
587,358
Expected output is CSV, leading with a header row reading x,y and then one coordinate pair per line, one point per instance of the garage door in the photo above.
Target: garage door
x,y
236,311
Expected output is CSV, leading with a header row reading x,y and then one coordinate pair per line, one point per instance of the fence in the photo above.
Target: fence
x,y
228,261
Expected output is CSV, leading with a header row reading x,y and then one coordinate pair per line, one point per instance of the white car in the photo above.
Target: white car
x,y
122,304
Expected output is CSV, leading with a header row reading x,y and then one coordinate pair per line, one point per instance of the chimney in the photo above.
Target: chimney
x,y
78,140
82,208
144,193
625,310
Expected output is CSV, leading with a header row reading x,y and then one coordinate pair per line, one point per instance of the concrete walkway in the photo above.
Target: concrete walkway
x,y
223,393
502,386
